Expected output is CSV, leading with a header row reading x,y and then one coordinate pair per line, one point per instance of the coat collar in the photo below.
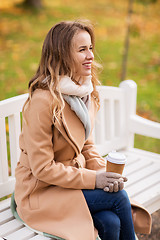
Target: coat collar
x,y
71,128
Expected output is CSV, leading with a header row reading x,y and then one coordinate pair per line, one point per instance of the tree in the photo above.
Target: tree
x,y
33,3
126,43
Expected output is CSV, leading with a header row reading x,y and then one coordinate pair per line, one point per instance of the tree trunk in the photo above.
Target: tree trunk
x,y
33,3
126,43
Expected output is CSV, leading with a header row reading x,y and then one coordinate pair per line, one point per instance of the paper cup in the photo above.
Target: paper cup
x,y
115,162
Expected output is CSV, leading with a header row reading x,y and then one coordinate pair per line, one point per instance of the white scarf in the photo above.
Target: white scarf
x,y
78,97
68,87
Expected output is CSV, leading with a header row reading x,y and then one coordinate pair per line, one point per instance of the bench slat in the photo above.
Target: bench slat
x,y
6,216
149,196
14,132
3,152
21,234
12,105
143,154
7,187
142,174
144,184
39,237
10,227
5,204
133,168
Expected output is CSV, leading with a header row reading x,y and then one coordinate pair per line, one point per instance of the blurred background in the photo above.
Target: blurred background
x,y
127,46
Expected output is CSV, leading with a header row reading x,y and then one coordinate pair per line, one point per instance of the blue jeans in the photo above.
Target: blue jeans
x,y
111,213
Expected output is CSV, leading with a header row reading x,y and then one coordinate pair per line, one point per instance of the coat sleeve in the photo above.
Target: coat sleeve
x,y
37,135
93,159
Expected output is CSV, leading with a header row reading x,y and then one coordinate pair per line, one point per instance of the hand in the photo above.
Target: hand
x,y
109,181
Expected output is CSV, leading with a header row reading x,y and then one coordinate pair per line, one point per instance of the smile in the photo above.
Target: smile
x,y
87,65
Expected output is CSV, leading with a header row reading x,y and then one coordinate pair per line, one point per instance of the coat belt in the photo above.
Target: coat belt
x,y
24,161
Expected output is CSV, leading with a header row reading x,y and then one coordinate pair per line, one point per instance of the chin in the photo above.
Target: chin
x,y
86,74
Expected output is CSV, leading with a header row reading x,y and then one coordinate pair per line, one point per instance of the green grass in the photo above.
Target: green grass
x,y
22,32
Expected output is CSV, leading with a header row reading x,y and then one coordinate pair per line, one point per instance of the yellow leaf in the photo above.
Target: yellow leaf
x,y
7,128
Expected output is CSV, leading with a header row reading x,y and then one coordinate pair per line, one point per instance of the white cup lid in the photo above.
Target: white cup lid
x,y
116,157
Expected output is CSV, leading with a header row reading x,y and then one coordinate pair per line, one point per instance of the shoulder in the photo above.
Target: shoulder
x,y
41,101
43,95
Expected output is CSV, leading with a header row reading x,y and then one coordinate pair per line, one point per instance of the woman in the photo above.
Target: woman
x,y
61,184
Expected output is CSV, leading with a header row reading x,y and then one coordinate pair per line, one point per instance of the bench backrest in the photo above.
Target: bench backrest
x,y
10,127
111,130
112,126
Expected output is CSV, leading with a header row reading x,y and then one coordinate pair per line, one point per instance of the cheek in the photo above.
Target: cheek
x,y
80,57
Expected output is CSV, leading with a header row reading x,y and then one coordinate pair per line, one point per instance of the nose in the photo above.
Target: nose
x,y
90,55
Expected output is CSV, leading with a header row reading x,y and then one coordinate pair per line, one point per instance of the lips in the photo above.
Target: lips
x,y
87,64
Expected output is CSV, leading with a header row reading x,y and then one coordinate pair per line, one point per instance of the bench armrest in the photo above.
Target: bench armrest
x,y
145,127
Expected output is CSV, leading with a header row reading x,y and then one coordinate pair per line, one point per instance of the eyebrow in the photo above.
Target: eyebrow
x,y
85,46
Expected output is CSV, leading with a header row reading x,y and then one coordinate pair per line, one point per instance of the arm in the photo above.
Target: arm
x,y
38,135
93,160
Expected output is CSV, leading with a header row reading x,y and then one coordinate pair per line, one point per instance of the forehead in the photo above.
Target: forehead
x,y
82,38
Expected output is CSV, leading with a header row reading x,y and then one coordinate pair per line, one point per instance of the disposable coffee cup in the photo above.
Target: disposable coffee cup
x,y
115,162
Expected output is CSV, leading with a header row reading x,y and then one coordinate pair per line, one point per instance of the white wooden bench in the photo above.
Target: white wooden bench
x,y
115,127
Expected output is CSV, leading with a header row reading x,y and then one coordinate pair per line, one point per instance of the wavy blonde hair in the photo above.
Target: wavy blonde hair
x,y
57,59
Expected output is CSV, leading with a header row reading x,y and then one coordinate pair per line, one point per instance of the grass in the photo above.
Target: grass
x,y
22,32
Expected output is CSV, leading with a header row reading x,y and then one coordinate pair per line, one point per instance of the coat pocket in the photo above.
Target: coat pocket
x,y
34,197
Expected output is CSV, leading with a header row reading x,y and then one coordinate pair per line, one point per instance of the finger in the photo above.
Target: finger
x,y
111,187
112,180
121,179
113,175
106,189
125,179
121,185
115,186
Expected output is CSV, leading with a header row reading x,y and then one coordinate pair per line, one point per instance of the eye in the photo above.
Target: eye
x,y
91,48
82,49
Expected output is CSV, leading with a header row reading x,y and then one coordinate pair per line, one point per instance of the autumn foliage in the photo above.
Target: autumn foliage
x,y
22,31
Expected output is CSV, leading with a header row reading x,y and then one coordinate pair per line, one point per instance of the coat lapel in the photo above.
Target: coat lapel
x,y
71,128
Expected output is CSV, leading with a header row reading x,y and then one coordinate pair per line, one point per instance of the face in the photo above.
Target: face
x,y
82,50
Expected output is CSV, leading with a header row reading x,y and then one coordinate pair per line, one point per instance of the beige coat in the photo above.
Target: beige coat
x,y
55,164
55,154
